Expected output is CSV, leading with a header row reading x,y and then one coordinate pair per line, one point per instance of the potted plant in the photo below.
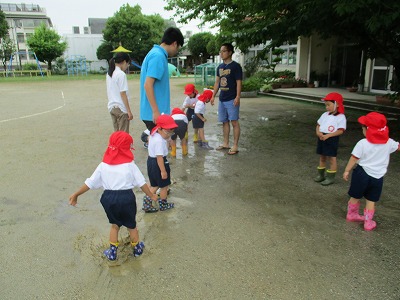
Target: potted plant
x,y
388,99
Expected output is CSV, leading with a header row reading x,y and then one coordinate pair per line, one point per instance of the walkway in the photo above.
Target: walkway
x,y
351,100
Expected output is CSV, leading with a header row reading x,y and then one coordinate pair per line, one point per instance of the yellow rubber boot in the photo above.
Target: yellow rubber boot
x,y
195,138
173,150
184,150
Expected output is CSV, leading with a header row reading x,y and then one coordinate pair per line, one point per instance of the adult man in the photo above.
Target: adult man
x,y
229,81
154,77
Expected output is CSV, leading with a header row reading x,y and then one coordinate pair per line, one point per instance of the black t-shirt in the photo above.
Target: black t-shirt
x,y
228,74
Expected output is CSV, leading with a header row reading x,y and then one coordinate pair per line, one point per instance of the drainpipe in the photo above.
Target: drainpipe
x,y
309,59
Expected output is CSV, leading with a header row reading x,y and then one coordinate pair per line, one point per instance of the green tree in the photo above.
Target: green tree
x,y
373,24
7,48
197,46
3,25
134,31
47,44
104,51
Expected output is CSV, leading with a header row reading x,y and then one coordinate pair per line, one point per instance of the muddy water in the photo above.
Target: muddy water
x,y
249,226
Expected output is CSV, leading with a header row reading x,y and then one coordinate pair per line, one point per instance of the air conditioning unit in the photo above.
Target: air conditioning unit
x,y
75,30
86,30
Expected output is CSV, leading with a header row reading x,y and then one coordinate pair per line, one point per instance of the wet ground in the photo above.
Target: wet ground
x,y
249,226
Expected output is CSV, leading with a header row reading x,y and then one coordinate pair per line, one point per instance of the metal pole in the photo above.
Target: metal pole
x,y
16,41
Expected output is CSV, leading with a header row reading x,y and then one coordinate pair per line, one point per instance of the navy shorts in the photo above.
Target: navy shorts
x,y
328,147
189,114
154,173
120,207
363,185
197,122
180,130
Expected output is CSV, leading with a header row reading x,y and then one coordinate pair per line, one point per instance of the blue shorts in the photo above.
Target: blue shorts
x,y
154,173
180,130
227,111
120,207
328,147
363,185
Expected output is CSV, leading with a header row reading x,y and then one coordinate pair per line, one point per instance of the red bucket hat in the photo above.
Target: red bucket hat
x,y
164,121
338,98
207,95
190,89
377,131
119,149
177,111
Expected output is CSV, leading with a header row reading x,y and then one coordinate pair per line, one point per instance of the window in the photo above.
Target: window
x,y
20,38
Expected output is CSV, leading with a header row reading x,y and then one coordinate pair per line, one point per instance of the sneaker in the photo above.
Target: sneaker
x,y
138,249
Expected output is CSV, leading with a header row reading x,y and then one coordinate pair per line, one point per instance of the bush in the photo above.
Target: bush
x,y
30,66
252,84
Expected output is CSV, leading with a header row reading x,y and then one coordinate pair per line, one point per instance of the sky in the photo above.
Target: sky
x,y
67,13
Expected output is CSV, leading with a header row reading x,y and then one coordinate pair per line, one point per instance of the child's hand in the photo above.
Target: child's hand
x,y
346,176
73,200
205,120
164,175
324,137
154,197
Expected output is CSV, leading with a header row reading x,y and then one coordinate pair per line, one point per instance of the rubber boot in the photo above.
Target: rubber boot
x,y
164,205
369,224
148,205
184,149
329,178
321,175
173,150
199,143
205,145
138,249
111,253
352,213
195,138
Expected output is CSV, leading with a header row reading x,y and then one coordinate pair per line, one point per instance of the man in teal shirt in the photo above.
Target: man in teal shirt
x,y
154,77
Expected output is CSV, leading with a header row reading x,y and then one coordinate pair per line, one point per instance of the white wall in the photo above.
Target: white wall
x,y
85,45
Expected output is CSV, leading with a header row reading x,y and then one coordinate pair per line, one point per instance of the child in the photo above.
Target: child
x,y
189,104
330,126
145,138
117,91
157,164
117,174
182,121
372,158
198,118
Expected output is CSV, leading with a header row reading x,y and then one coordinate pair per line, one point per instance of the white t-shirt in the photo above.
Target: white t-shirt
x,y
374,158
329,123
115,85
157,145
181,117
200,108
116,177
189,101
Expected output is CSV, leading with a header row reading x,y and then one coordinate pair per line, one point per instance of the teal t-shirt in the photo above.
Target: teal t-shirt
x,y
155,65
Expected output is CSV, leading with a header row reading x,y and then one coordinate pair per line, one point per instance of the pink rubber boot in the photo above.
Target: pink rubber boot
x,y
352,213
369,224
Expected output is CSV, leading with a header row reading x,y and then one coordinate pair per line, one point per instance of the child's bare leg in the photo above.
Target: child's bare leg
x,y
134,235
201,134
354,200
164,192
370,205
322,161
114,230
333,163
